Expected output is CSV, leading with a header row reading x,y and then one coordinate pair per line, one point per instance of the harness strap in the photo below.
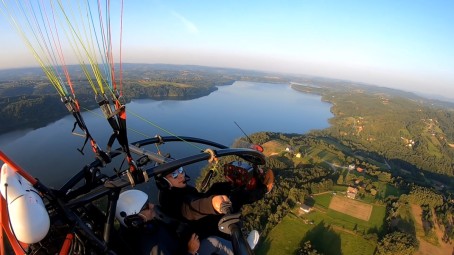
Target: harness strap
x,y
73,106
117,120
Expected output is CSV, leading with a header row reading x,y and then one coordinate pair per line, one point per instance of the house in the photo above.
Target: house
x,y
351,192
351,166
359,169
289,149
298,155
305,208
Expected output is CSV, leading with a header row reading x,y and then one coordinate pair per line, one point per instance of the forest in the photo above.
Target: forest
x,y
412,134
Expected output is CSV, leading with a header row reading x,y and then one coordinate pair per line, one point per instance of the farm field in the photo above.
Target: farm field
x,y
351,207
345,234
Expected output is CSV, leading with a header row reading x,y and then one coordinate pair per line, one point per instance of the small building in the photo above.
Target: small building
x,y
351,192
351,166
305,208
359,169
298,155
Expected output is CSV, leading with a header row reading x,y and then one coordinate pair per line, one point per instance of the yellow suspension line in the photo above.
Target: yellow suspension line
x,y
77,52
90,58
49,73
150,123
163,129
129,128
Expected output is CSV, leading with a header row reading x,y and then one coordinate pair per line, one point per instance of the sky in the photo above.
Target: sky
x,y
403,44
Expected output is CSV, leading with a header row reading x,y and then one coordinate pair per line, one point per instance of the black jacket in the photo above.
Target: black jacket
x,y
188,205
151,239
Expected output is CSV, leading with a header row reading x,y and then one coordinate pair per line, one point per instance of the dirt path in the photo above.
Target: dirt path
x,y
426,248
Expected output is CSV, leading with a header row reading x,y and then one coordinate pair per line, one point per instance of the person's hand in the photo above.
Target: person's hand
x,y
268,180
193,244
148,213
217,203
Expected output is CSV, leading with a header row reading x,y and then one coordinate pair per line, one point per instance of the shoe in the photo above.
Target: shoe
x,y
253,238
268,180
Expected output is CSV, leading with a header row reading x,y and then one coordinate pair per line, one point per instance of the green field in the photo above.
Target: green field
x,y
343,233
323,200
339,188
286,237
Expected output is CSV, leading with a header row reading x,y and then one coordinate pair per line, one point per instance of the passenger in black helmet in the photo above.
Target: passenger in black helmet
x,y
147,231
203,211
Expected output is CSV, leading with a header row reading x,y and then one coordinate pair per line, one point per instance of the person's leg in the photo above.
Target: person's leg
x,y
216,245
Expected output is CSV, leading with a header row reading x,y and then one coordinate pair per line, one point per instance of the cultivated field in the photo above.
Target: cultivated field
x,y
351,207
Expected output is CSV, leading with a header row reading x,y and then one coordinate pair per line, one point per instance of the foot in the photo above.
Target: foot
x,y
253,238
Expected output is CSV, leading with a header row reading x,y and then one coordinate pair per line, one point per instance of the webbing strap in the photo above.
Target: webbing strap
x,y
117,120
73,107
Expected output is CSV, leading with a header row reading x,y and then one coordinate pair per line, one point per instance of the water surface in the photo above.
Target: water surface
x,y
50,154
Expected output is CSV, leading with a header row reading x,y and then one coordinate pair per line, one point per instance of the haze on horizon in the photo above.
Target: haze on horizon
x,y
404,44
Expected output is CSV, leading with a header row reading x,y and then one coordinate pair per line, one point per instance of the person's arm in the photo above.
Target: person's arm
x,y
198,208
202,207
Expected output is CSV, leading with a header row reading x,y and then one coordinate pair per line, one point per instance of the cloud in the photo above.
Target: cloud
x,y
191,27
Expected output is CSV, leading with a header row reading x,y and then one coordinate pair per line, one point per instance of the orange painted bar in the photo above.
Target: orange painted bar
x,y
4,222
17,168
67,244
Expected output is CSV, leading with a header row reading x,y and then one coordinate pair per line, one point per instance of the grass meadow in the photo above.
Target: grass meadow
x,y
344,233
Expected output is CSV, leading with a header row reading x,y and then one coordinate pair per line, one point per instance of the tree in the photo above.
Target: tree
x,y
423,196
397,243
307,249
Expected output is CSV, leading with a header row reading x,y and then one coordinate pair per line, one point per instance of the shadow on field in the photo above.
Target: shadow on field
x,y
264,247
321,235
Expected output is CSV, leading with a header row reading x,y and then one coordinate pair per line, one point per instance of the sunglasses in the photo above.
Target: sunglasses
x,y
177,172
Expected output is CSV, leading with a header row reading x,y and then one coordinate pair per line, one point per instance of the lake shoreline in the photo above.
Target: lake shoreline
x,y
257,107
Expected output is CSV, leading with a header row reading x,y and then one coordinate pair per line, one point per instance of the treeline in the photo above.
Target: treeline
x,y
29,111
397,243
401,233
166,91
33,102
445,221
34,111
432,202
425,196
30,90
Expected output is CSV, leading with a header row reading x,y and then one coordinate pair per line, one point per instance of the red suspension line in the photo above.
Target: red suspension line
x,y
60,51
121,41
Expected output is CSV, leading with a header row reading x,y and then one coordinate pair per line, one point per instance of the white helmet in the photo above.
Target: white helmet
x,y
130,202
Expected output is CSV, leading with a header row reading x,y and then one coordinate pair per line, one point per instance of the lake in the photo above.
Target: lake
x,y
50,154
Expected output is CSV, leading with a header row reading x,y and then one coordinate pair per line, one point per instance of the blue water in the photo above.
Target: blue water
x,y
50,154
